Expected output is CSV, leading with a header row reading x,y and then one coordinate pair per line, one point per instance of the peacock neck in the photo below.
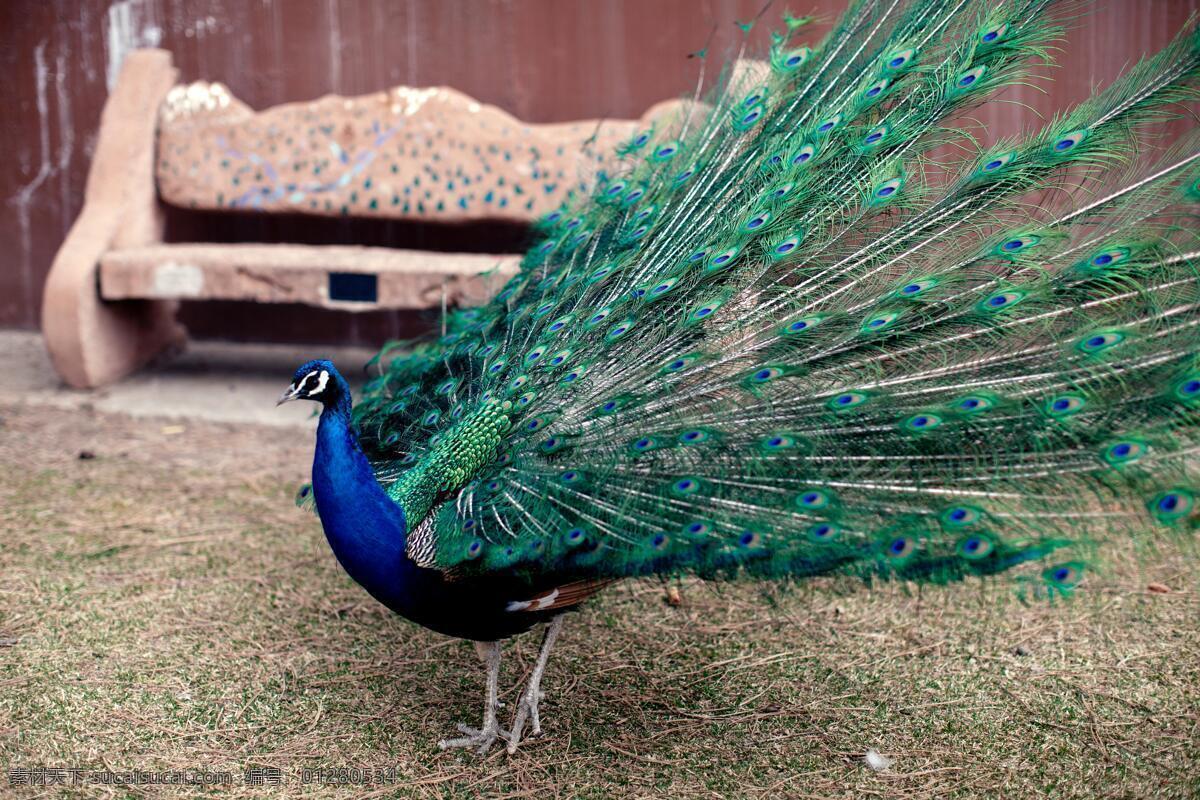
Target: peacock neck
x,y
365,529
341,406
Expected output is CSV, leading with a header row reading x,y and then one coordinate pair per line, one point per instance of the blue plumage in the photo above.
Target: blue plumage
x,y
367,532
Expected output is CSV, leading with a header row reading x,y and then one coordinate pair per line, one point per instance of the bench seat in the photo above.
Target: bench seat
x,y
350,278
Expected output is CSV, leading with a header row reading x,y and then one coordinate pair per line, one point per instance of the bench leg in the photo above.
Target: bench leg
x,y
93,342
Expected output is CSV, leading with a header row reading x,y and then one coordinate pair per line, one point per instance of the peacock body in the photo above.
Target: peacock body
x,y
810,327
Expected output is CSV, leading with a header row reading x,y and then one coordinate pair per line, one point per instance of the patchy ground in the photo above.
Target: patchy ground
x,y
163,605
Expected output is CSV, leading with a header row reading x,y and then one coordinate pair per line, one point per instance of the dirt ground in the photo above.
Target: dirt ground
x,y
165,606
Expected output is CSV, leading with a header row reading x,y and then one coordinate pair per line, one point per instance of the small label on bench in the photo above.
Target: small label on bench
x,y
353,287
173,279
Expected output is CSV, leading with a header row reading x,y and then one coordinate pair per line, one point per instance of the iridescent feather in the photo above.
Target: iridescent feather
x,y
791,337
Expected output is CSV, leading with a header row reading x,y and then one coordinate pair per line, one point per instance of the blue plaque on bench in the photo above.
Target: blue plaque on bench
x,y
353,287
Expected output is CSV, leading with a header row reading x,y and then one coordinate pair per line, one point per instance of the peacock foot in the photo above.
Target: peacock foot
x,y
479,739
527,708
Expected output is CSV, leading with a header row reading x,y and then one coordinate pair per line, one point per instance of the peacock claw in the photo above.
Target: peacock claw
x,y
481,740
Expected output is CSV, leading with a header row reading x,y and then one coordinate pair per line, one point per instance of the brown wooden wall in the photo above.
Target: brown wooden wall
x,y
543,60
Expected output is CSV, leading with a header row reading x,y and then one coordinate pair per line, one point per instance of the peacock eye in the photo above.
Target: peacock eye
x,y
876,89
822,532
1064,405
1069,141
829,124
314,383
993,34
970,77
1099,341
796,57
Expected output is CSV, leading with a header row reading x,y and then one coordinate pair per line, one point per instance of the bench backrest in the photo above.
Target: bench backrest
x,y
417,154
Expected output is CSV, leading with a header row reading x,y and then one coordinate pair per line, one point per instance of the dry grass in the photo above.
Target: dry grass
x,y
164,606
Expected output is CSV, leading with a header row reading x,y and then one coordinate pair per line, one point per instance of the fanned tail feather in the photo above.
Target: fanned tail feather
x,y
794,337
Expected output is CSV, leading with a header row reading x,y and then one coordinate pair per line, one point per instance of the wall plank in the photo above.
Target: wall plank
x,y
544,60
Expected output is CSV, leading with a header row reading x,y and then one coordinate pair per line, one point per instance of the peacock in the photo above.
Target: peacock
x,y
812,326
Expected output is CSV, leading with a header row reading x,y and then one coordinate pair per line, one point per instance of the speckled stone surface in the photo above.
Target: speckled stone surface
x,y
421,154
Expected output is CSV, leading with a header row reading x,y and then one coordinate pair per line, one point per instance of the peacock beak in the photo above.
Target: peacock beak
x,y
290,393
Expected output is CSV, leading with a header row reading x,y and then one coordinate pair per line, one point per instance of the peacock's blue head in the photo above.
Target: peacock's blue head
x,y
315,380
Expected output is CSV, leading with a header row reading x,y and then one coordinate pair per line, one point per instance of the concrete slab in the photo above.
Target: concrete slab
x,y
217,381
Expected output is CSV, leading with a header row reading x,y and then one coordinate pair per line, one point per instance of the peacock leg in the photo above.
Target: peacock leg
x,y
483,738
528,705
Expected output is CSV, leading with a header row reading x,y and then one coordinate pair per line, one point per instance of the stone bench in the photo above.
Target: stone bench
x,y
420,155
